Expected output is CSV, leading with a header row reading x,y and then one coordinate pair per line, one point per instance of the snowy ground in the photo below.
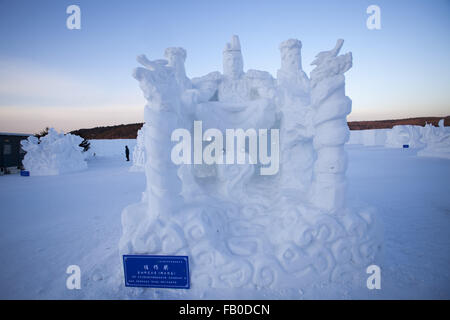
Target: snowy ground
x,y
49,223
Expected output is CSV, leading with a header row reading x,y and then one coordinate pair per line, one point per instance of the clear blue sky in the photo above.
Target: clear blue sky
x,y
69,79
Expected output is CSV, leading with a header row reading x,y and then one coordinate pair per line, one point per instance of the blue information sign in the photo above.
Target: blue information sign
x,y
156,271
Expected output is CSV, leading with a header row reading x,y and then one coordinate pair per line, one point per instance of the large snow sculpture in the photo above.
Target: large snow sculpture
x,y
53,154
242,229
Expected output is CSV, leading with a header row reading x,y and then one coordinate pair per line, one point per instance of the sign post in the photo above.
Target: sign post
x,y
156,271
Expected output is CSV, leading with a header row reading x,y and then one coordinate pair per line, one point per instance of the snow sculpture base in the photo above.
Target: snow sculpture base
x,y
286,245
240,229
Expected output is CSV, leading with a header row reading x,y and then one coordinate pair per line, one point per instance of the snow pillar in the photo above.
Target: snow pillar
x,y
162,91
297,155
331,129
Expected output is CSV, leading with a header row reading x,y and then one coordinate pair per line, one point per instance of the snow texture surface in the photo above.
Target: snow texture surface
x,y
51,228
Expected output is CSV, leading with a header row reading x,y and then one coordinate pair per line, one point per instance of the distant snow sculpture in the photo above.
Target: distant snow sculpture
x,y
53,154
139,156
241,229
437,141
401,135
430,140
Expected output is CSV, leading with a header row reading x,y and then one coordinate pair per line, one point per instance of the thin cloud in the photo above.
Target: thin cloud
x,y
31,120
24,83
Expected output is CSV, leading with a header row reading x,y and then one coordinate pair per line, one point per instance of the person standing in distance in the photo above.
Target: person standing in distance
x,y
127,153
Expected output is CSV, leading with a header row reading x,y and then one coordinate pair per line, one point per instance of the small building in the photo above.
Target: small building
x,y
11,152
